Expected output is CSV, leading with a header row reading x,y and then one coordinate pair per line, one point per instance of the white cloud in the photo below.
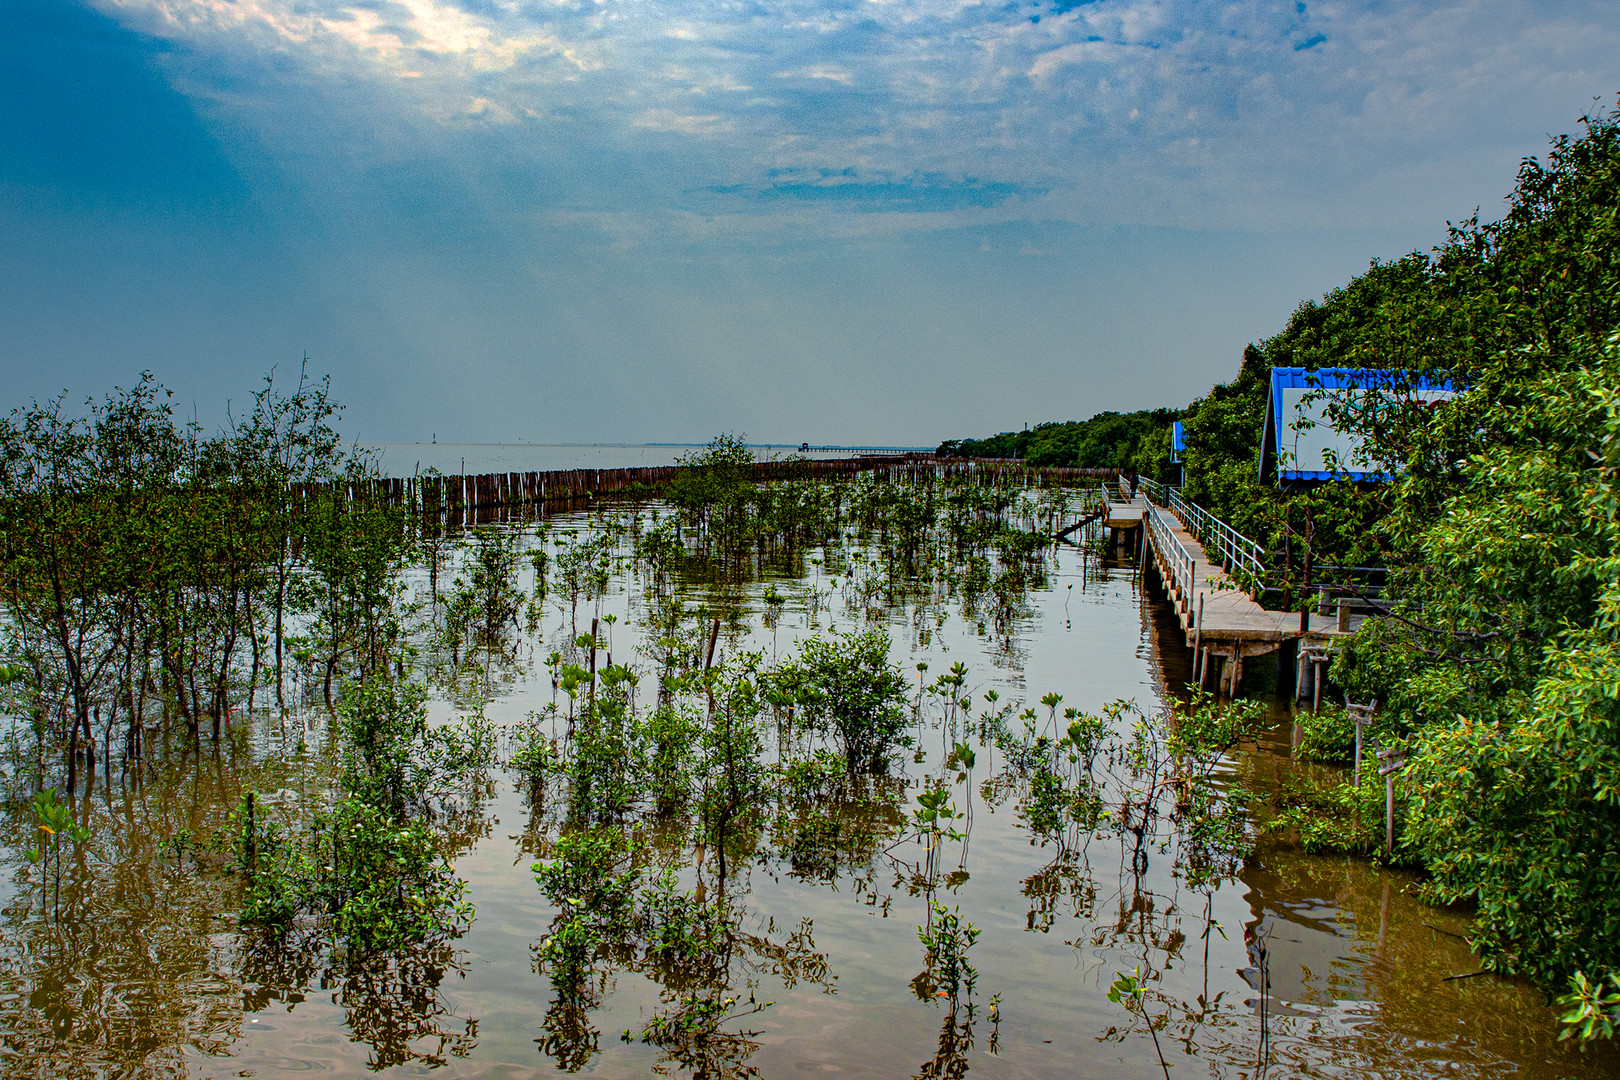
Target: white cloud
x,y
829,72
684,123
1165,111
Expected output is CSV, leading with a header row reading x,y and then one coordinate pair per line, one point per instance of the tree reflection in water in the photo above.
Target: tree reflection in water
x,y
950,1061
706,974
392,1000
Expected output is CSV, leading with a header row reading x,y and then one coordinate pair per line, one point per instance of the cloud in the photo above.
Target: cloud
x,y
1124,111
709,125
919,193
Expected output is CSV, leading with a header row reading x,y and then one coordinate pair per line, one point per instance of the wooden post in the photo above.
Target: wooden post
x,y
1393,759
1355,774
1198,642
1362,715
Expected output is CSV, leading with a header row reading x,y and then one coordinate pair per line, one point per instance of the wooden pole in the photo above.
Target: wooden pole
x,y
1393,759
1198,642
1362,715
1355,775
1389,814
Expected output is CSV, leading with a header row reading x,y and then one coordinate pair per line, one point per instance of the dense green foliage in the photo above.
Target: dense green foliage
x,y
847,688
1109,440
168,574
1502,658
1497,307
1498,661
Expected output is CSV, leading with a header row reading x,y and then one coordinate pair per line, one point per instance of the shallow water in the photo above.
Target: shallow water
x,y
147,975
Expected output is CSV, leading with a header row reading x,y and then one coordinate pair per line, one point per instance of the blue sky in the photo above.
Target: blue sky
x,y
863,220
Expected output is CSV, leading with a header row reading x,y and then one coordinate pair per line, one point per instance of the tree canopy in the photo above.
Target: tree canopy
x,y
1499,660
1109,440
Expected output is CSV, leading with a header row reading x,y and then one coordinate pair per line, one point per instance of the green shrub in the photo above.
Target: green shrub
x,y
1329,735
848,690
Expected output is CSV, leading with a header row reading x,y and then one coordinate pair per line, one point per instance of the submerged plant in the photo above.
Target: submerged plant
x,y
1129,990
946,938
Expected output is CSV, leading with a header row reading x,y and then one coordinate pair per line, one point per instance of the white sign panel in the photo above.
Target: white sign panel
x,y
1308,441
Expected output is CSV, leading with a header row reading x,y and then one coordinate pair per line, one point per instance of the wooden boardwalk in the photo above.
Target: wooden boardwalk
x,y
1221,621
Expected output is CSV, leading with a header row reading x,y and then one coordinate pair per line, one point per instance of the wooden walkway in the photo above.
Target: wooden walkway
x,y
1222,623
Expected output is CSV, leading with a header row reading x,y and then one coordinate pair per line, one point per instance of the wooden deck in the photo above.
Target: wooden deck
x,y
1221,622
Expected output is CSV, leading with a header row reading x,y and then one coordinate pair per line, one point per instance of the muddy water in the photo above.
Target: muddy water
x,y
137,968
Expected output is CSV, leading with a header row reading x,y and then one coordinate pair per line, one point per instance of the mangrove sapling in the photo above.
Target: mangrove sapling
x,y
946,938
936,820
54,818
730,788
492,583
1148,757
1129,990
371,864
603,763
948,688
673,732
963,759
849,691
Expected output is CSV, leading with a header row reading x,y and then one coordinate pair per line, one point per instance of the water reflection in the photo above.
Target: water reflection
x,y
141,974
1358,964
393,1002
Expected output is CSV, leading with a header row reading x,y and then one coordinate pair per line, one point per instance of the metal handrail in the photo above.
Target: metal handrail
x,y
1243,559
1154,490
1182,567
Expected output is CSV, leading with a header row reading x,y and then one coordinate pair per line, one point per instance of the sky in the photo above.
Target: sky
x,y
836,221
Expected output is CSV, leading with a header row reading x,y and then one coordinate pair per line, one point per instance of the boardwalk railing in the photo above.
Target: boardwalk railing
x,y
1242,558
1181,571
